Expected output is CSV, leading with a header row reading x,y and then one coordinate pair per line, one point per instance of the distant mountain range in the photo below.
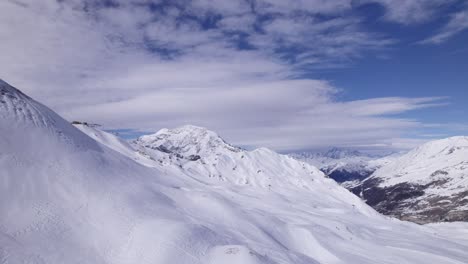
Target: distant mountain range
x,y
347,167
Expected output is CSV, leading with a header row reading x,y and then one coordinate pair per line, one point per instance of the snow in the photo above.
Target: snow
x,y
218,162
187,140
458,230
444,160
233,254
118,144
67,198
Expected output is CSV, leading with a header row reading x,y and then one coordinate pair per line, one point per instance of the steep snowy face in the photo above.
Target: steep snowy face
x,y
64,198
428,184
18,108
22,115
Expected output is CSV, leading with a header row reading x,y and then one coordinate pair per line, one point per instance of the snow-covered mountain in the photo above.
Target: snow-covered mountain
x,y
204,155
66,197
347,167
428,184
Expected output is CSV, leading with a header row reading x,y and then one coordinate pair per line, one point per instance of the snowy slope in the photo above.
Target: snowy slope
x,y
66,198
429,184
118,144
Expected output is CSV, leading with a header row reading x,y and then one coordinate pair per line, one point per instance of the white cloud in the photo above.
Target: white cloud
x,y
411,11
313,6
232,7
110,65
457,23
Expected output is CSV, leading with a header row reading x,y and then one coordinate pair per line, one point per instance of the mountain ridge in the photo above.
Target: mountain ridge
x,y
429,183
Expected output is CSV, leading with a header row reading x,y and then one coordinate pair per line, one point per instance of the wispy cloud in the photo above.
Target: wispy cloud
x,y
458,23
412,11
233,66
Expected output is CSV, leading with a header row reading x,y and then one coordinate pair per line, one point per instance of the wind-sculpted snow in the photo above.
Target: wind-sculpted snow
x,y
65,198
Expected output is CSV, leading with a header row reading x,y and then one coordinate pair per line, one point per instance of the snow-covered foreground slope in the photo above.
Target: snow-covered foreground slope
x,y
428,184
65,198
118,144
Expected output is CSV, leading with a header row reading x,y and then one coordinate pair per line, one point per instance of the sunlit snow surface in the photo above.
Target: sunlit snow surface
x,y
444,160
66,198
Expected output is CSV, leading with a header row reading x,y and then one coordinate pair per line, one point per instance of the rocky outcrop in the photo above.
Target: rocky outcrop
x,y
429,184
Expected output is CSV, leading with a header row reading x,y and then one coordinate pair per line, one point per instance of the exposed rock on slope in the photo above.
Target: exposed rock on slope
x,y
429,184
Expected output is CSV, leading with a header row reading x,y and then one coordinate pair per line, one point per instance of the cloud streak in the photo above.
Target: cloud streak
x,y
412,11
457,23
233,66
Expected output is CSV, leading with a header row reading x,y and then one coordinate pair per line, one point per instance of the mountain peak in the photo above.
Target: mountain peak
x,y
339,153
6,88
457,140
3,83
20,108
440,147
187,130
187,140
22,113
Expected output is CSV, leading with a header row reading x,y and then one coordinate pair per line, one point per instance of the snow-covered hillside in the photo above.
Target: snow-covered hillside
x,y
67,198
347,167
428,184
118,144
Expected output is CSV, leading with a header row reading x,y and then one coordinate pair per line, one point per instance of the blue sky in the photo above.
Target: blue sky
x,y
412,69
289,75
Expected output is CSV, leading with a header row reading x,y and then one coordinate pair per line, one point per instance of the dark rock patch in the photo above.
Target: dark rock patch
x,y
344,175
409,202
439,172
